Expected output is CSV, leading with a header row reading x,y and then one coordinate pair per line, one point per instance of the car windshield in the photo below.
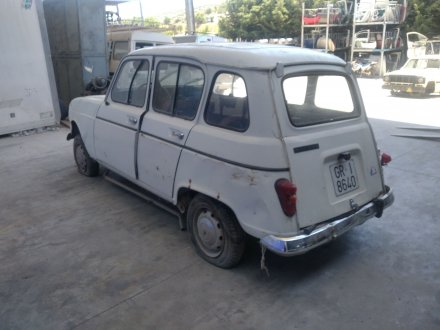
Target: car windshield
x,y
423,64
315,99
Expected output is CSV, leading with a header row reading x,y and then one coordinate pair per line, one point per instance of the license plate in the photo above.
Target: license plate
x,y
344,177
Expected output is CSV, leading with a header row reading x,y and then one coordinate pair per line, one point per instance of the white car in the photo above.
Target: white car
x,y
236,139
418,76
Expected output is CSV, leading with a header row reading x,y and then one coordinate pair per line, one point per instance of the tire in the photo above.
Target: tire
x,y
215,232
86,165
430,88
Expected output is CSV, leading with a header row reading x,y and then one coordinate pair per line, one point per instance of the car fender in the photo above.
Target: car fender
x,y
82,115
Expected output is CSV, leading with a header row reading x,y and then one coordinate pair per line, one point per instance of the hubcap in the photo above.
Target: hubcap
x,y
210,234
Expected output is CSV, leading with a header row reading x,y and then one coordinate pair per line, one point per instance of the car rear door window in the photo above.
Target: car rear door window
x,y
178,89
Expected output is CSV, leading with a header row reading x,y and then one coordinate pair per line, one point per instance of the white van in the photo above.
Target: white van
x,y
120,43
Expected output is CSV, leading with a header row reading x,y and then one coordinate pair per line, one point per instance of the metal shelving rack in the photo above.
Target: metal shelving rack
x,y
338,33
344,34
385,27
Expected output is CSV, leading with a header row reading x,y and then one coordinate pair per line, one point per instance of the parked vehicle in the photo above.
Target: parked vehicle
x,y
420,45
268,140
418,76
122,42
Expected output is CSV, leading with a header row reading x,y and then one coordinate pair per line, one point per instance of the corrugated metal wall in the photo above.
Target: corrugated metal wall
x,y
77,35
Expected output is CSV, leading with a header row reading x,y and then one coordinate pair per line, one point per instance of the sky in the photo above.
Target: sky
x,y
157,8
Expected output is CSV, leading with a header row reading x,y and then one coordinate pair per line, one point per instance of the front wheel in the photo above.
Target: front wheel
x,y
86,165
215,232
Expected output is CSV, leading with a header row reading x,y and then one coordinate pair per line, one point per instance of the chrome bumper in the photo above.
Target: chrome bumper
x,y
405,87
291,246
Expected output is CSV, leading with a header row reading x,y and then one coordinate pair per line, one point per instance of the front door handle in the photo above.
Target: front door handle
x,y
177,134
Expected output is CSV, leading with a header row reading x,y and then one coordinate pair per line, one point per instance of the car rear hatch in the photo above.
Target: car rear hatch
x,y
330,146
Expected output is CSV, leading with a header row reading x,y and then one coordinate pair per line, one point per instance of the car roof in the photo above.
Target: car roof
x,y
242,55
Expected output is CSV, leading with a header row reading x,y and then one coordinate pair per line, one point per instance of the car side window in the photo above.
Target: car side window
x,y
120,49
178,89
228,103
131,83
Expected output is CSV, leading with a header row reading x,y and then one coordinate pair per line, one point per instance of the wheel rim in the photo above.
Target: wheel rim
x,y
209,234
81,159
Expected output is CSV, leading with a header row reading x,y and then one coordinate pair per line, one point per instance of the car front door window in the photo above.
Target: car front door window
x,y
131,84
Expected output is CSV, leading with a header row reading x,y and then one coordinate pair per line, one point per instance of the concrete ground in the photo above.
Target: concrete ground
x,y
80,253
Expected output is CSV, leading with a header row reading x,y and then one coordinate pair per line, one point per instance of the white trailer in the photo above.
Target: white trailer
x,y
28,95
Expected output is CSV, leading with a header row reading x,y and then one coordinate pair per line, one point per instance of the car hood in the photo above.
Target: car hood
x,y
415,72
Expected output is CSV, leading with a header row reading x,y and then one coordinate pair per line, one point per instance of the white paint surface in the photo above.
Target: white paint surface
x,y
26,94
380,104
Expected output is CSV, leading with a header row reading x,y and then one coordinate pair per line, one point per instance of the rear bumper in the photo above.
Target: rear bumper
x,y
303,242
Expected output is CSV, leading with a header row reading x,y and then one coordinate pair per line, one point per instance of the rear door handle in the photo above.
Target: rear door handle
x,y
177,134
132,120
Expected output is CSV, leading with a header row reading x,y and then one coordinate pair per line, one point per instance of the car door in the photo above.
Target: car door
x,y
330,146
118,119
175,100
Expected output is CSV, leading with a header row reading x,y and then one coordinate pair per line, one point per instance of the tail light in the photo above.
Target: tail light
x,y
286,192
385,159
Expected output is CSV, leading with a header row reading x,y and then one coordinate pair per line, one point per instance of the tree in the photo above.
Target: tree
x,y
257,19
424,17
200,18
167,20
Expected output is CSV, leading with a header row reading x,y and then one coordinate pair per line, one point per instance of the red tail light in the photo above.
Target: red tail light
x,y
286,192
385,159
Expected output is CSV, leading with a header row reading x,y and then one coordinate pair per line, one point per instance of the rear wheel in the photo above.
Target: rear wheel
x,y
86,165
215,232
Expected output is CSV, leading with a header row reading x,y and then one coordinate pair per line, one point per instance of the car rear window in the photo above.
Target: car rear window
x,y
316,99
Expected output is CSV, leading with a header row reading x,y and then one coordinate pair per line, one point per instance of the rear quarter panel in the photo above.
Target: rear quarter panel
x,y
249,193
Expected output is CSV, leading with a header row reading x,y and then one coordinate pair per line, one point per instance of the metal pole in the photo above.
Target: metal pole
x,y
302,26
382,48
190,22
142,15
327,28
353,32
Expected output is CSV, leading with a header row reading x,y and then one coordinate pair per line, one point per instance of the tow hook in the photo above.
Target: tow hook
x,y
354,206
